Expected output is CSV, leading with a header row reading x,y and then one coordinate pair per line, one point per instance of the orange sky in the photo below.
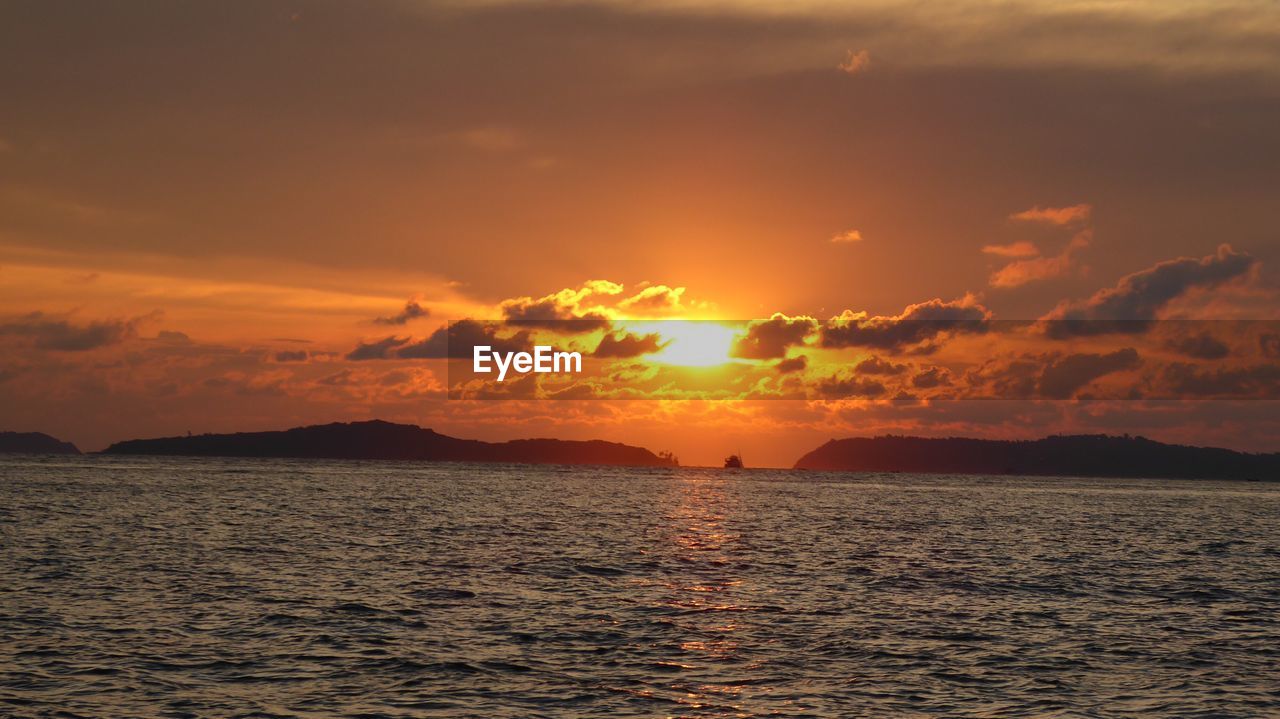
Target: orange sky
x,y
205,209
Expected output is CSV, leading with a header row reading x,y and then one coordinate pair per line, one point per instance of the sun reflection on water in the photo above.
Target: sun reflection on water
x,y
701,587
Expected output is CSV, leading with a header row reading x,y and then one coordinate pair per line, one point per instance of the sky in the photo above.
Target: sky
x,y
208,208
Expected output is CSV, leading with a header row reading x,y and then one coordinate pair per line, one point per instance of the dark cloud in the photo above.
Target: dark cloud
x,y
412,311
918,323
58,334
1062,378
458,341
791,364
876,366
578,390
384,348
1186,380
932,377
1005,378
291,356
769,339
1132,305
341,378
847,386
627,345
1200,346
1269,344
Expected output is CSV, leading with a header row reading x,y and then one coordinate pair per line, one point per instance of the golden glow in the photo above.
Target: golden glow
x,y
693,343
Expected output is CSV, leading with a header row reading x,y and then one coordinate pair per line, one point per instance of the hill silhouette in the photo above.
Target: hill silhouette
x,y
386,440
1070,455
34,443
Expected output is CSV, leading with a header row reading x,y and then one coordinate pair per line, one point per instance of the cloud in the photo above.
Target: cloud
x,y
656,299
1060,216
855,62
847,237
1269,344
55,333
341,378
1015,249
83,278
1200,346
459,339
876,366
1133,303
1257,381
1023,271
384,348
627,345
412,311
1005,378
551,311
932,377
291,356
843,386
769,339
918,323
602,287
791,364
1062,378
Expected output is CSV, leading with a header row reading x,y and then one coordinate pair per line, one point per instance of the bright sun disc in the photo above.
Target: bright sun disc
x,y
690,343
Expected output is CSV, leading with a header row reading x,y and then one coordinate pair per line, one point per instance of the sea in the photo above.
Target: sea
x,y
179,587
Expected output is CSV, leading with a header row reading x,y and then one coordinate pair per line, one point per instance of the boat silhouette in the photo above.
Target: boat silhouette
x,y
733,461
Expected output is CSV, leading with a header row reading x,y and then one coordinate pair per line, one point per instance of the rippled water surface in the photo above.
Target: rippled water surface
x,y
177,587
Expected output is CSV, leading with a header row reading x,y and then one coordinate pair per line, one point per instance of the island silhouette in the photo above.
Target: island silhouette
x,y
34,443
376,439
1095,455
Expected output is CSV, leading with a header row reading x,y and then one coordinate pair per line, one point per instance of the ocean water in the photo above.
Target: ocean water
x,y
234,588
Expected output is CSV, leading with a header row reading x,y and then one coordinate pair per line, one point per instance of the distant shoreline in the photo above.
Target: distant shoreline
x,y
1068,456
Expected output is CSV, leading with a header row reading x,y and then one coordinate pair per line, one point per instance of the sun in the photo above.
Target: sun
x,y
689,343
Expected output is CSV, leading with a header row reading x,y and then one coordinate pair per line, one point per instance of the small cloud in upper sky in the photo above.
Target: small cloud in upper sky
x,y
1030,269
654,299
1014,249
855,62
1055,215
83,278
846,237
412,311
